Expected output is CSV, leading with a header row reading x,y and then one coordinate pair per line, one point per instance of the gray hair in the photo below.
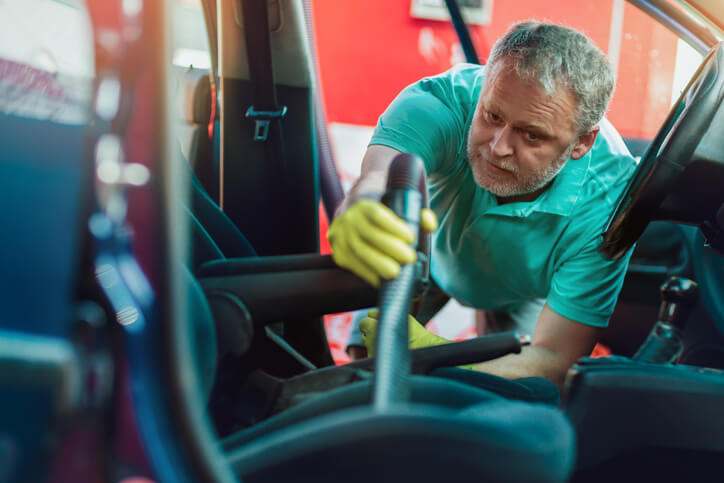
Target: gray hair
x,y
558,56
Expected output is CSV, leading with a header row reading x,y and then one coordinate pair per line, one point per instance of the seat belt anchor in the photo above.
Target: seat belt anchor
x,y
262,119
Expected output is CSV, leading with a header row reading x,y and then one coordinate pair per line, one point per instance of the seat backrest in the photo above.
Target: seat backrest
x,y
200,147
493,441
43,169
203,332
213,235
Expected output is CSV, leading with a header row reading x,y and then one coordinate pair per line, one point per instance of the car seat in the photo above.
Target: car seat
x,y
451,431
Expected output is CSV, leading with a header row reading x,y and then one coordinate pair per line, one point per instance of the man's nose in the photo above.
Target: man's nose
x,y
500,145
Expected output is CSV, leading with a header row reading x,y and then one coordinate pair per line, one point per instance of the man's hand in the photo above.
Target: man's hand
x,y
371,241
419,336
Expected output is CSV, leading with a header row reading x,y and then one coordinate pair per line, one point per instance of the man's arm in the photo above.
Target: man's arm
x,y
558,342
373,177
367,237
370,185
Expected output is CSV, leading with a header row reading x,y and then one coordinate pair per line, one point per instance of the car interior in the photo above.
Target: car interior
x,y
194,278
664,249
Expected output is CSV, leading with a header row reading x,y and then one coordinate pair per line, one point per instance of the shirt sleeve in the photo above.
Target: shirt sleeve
x,y
426,119
585,288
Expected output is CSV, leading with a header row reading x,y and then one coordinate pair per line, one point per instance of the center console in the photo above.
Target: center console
x,y
619,405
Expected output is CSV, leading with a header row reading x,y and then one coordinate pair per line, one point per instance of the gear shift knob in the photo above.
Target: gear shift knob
x,y
663,345
678,296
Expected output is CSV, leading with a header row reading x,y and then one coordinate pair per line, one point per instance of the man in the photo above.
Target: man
x,y
523,173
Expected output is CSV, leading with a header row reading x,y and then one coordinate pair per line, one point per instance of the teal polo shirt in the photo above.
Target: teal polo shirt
x,y
497,257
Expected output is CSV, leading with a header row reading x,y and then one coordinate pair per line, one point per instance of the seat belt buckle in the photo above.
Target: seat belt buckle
x,y
262,119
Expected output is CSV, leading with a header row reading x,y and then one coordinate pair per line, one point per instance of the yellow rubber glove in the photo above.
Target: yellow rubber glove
x,y
419,336
371,241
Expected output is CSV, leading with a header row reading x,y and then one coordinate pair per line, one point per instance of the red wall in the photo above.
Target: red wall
x,y
645,75
368,51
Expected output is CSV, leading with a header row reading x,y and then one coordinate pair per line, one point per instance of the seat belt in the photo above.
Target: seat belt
x,y
264,109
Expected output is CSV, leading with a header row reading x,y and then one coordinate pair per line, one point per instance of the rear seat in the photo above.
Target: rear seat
x,y
214,235
202,152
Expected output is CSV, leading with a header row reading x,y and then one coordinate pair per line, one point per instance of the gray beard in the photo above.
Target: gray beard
x,y
533,183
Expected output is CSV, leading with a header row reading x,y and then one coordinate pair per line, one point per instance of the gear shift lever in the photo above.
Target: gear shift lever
x,y
663,345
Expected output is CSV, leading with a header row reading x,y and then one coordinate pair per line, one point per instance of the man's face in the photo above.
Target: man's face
x,y
520,138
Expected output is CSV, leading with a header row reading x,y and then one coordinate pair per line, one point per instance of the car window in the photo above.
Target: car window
x,y
46,60
190,44
653,65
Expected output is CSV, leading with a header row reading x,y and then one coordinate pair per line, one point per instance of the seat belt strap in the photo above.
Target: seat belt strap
x,y
264,108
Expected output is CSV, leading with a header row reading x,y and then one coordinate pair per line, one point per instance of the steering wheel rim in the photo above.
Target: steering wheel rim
x,y
667,156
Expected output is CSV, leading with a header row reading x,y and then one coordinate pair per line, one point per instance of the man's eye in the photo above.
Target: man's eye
x,y
492,116
531,136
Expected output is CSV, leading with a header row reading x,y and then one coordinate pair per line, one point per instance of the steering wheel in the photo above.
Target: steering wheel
x,y
678,177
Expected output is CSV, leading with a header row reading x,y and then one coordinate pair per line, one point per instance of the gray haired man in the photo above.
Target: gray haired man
x,y
523,172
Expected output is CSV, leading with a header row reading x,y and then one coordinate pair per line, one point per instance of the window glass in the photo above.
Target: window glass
x,y
46,60
190,43
687,61
653,66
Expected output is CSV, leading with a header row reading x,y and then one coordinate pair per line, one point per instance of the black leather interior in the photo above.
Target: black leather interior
x,y
493,441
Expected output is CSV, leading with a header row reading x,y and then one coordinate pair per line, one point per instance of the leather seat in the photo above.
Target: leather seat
x,y
451,431
199,147
213,235
497,440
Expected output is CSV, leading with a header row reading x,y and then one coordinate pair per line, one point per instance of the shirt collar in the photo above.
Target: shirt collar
x,y
562,196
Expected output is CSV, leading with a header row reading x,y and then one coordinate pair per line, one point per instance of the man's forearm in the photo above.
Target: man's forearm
x,y
373,178
531,362
370,186
558,342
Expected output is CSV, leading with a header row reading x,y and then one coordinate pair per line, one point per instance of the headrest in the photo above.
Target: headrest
x,y
195,92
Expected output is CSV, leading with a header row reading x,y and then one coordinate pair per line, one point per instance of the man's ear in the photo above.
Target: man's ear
x,y
585,143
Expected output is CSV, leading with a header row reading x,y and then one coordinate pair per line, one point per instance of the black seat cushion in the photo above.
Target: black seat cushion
x,y
203,332
531,389
498,440
227,237
424,390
